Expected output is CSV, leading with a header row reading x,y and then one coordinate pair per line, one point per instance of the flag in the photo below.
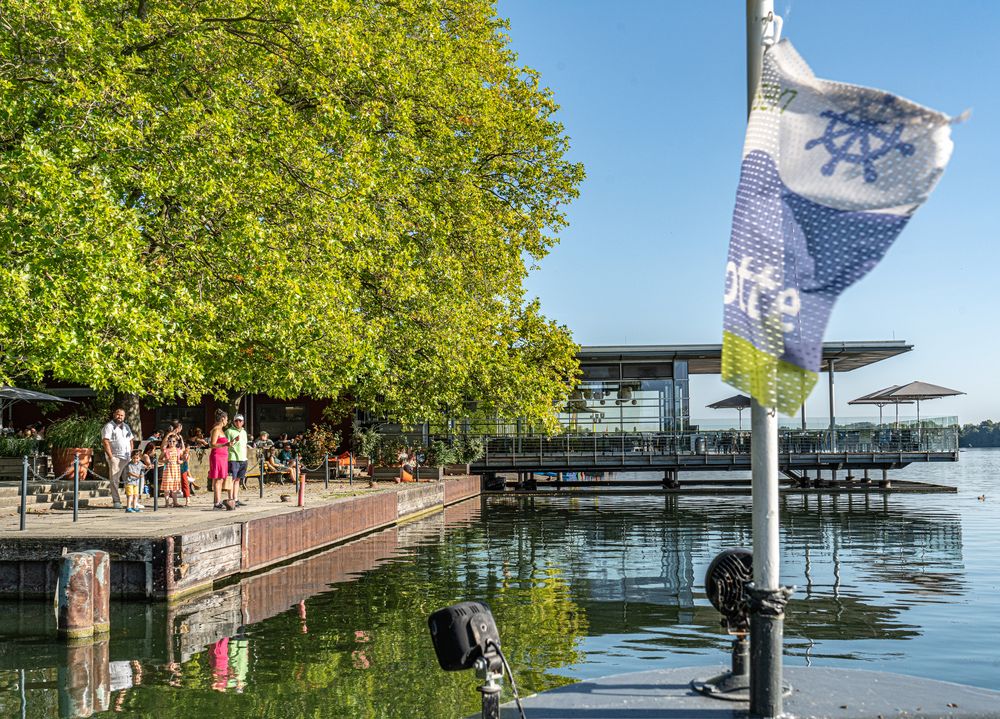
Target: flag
x,y
831,174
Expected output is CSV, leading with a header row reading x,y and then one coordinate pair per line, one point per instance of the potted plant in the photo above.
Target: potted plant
x,y
68,437
467,450
12,451
320,442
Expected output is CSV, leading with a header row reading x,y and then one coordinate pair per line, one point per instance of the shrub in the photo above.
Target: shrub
x,y
75,431
319,441
17,446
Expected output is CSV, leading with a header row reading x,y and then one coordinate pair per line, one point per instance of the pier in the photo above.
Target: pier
x,y
171,554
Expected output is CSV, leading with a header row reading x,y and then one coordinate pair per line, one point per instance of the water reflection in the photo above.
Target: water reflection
x,y
582,585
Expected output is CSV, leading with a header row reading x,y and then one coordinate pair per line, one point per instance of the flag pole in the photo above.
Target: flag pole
x,y
767,596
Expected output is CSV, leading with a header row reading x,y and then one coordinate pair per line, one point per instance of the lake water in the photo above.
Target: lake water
x,y
580,587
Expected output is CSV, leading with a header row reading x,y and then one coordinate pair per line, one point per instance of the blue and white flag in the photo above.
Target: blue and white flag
x,y
831,174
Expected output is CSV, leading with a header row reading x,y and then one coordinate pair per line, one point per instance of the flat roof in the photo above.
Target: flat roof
x,y
707,359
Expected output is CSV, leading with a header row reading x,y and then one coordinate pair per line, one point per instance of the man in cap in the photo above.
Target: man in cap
x,y
237,436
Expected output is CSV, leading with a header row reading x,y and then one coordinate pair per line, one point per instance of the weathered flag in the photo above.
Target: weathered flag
x,y
831,174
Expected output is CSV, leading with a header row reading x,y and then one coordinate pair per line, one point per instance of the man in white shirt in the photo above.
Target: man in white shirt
x,y
118,439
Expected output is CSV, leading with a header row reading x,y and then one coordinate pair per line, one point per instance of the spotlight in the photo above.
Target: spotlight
x,y
465,636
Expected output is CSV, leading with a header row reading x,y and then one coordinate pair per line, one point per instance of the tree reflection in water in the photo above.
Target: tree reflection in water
x,y
571,581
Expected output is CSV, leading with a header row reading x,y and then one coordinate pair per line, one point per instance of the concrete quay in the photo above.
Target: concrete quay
x,y
173,553
817,693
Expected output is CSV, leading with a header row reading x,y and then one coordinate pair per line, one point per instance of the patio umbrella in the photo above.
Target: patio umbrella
x,y
880,399
917,391
739,402
9,395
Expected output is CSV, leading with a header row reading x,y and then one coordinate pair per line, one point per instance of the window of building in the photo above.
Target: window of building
x,y
277,419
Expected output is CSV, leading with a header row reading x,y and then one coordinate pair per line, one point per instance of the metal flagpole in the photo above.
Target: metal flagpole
x,y
767,596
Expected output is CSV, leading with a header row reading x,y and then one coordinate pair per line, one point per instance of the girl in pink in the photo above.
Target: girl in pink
x,y
218,462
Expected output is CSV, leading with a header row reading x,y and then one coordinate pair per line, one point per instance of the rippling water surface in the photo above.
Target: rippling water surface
x,y
581,587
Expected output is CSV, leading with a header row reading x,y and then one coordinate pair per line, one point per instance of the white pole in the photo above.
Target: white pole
x,y
767,597
763,420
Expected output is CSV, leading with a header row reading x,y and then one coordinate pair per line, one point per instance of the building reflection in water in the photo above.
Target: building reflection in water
x,y
556,570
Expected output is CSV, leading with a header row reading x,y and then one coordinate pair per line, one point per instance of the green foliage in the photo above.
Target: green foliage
x,y
75,431
367,442
17,446
985,434
441,453
469,448
321,440
332,198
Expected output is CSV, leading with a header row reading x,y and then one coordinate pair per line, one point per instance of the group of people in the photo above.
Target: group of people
x,y
130,461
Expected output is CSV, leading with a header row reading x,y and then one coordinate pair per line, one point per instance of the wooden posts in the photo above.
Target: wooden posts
x,y
83,595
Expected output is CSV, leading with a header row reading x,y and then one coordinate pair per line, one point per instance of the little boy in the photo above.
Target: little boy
x,y
133,481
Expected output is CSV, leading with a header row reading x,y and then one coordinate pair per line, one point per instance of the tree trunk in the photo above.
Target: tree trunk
x,y
232,403
130,403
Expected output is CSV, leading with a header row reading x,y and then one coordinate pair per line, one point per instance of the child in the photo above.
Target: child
x,y
135,472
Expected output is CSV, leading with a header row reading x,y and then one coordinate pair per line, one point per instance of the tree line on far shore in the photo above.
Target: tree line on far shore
x,y
984,434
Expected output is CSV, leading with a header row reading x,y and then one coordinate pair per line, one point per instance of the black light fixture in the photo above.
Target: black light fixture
x,y
465,636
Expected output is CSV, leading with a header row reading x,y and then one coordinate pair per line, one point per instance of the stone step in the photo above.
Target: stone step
x,y
8,489
53,498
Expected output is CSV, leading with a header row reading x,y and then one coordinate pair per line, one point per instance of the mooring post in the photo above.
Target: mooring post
x,y
101,676
76,486
74,596
24,492
885,483
326,468
866,479
100,591
299,481
156,481
75,680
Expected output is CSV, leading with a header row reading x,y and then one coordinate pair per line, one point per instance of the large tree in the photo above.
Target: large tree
x,y
315,196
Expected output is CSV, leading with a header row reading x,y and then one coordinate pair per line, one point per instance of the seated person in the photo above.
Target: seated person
x,y
197,438
263,441
285,454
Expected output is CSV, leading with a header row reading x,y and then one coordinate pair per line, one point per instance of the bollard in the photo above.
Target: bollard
x,y
100,590
76,486
24,492
326,475
101,676
261,478
156,481
299,482
76,697
74,596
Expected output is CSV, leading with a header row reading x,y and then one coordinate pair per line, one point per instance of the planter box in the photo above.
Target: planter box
x,y
430,473
452,470
392,473
11,467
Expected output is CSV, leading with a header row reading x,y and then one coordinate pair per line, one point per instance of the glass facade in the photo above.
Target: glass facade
x,y
629,397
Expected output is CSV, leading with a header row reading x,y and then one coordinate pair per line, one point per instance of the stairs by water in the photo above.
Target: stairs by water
x,y
54,495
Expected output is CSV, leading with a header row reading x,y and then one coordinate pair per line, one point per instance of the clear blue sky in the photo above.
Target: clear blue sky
x,y
653,99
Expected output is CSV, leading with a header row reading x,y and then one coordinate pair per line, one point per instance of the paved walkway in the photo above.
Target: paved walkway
x,y
816,693
107,522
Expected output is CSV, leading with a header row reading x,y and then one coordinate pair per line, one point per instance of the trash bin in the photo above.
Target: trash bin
x,y
700,445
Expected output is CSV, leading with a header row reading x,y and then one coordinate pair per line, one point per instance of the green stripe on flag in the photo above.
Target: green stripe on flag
x,y
769,380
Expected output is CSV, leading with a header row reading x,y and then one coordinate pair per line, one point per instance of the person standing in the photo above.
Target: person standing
x,y
135,471
218,465
237,437
118,440
170,482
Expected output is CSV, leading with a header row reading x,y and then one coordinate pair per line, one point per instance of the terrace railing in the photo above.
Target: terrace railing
x,y
538,448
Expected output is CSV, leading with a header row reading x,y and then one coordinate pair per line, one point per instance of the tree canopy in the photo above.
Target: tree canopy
x,y
325,197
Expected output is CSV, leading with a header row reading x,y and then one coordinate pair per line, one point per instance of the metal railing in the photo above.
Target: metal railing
x,y
633,445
